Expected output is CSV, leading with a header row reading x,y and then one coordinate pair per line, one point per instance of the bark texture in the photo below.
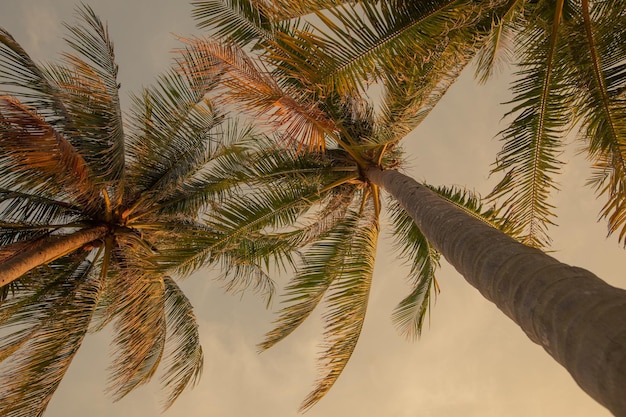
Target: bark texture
x,y
50,249
578,319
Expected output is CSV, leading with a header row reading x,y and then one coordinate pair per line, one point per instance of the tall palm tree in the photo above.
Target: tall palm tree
x,y
96,216
311,88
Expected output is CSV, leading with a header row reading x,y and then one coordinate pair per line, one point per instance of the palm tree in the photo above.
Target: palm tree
x,y
97,216
311,88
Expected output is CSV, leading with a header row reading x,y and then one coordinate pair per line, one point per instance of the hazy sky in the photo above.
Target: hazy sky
x,y
471,361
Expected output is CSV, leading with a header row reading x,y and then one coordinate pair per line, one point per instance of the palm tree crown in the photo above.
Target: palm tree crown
x,y
97,214
311,91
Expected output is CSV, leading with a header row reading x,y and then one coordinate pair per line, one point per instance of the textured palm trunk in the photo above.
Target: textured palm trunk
x,y
578,319
48,250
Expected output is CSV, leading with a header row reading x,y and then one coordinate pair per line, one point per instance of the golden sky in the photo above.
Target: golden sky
x,y
472,361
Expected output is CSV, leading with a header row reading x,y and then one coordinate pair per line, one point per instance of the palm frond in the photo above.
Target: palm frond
x,y
498,47
173,135
245,83
290,9
183,351
21,76
239,21
413,88
412,245
61,317
529,156
322,264
89,87
29,145
347,299
356,41
23,212
140,329
602,59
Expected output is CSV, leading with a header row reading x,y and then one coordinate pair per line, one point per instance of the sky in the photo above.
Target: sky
x,y
471,359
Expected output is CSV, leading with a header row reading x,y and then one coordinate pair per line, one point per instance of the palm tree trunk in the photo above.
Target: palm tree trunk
x,y
578,319
48,250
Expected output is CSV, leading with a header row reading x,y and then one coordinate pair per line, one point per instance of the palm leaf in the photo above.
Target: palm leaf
x,y
247,84
497,48
602,112
355,42
184,353
532,141
61,318
173,135
290,9
412,245
140,331
20,75
347,299
89,84
239,21
413,88
322,265
29,144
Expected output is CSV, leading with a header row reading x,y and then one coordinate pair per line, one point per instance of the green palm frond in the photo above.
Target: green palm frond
x,y
89,87
290,9
173,134
356,41
410,313
347,299
183,351
22,214
140,329
20,75
601,110
29,144
240,21
498,46
472,204
533,140
413,88
57,320
323,263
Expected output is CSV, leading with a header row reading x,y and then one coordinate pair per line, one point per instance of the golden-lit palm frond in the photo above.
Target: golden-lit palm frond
x,y
29,145
244,82
347,299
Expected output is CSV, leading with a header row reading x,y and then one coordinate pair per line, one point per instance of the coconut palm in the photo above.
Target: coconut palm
x,y
311,88
97,216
